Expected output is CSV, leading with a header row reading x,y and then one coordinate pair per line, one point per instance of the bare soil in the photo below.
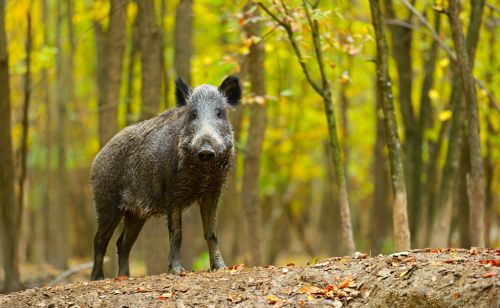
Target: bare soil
x,y
418,278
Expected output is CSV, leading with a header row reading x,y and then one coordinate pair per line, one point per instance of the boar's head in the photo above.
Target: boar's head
x,y
206,135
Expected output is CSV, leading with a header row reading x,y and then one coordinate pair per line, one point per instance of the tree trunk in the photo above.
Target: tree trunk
x,y
401,50
59,213
24,134
134,49
491,132
7,194
444,210
46,202
110,50
256,131
425,122
475,183
381,211
400,215
155,231
150,42
183,44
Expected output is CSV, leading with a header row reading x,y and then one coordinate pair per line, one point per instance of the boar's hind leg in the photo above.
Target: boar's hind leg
x,y
131,229
106,224
208,209
175,235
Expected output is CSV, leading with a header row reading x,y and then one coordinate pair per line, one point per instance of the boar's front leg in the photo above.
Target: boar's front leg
x,y
175,235
208,209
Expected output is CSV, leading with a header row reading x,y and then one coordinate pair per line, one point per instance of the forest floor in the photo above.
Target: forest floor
x,y
418,278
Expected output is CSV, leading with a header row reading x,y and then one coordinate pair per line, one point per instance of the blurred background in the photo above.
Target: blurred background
x,y
79,71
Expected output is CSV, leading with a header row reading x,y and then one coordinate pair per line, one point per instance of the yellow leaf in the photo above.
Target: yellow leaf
x,y
445,115
433,94
272,299
444,62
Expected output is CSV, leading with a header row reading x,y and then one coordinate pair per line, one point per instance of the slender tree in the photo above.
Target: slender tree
x,y
25,129
46,207
59,211
402,39
110,46
183,44
444,211
381,211
476,181
151,70
256,130
7,194
324,90
400,215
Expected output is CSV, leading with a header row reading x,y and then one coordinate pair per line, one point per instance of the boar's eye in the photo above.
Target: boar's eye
x,y
193,115
219,113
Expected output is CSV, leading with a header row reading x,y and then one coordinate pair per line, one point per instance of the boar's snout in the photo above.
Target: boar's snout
x,y
206,153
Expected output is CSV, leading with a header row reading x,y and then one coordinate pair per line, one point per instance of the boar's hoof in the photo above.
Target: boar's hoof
x,y
218,265
177,270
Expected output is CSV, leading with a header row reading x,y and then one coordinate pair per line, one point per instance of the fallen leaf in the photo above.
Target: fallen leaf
x,y
285,270
321,264
121,278
492,262
488,275
359,255
142,290
400,255
164,296
236,267
235,298
435,251
344,283
272,299
456,295
311,290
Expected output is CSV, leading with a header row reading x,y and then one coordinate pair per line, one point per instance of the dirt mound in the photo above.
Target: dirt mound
x,y
418,278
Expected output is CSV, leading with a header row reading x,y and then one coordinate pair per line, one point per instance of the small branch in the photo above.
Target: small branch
x,y
448,51
279,21
488,93
428,26
72,271
317,49
295,46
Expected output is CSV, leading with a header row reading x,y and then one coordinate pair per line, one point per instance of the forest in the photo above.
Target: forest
x,y
366,127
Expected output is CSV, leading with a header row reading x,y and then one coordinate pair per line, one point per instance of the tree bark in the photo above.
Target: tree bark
x,y
476,181
151,69
400,215
134,49
25,131
46,203
401,50
7,194
425,121
491,132
256,131
381,212
183,44
59,213
110,50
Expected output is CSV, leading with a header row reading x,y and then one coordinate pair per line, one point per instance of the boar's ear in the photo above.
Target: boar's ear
x,y
231,88
181,92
